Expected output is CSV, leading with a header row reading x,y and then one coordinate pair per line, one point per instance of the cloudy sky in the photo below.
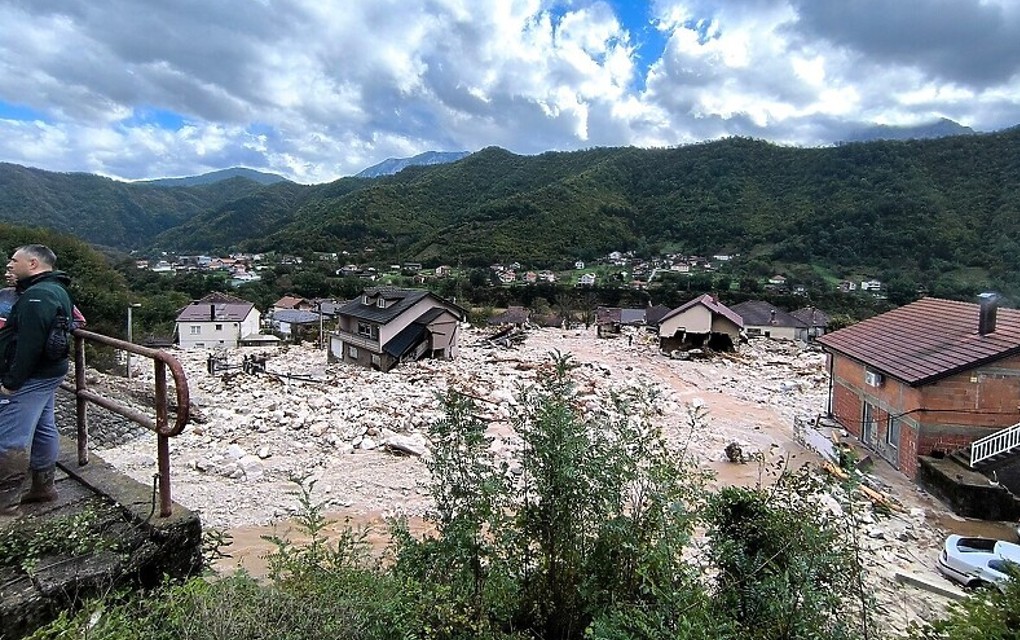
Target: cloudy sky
x,y
318,89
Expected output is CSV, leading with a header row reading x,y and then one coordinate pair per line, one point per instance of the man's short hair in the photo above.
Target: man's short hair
x,y
40,252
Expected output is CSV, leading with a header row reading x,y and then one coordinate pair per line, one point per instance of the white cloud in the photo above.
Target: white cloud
x,y
315,89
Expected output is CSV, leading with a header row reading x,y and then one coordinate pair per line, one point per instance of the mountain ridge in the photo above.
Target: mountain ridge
x,y
390,166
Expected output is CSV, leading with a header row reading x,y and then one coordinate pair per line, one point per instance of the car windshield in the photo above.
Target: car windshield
x,y
1000,565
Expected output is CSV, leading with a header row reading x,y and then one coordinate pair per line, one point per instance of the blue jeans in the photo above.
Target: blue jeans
x,y
27,420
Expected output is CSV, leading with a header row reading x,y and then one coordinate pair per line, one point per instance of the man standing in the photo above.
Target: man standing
x,y
28,431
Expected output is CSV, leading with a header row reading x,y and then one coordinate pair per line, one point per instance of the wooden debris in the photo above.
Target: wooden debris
x,y
874,496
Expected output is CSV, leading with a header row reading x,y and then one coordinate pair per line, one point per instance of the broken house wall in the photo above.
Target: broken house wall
x,y
944,416
445,335
698,327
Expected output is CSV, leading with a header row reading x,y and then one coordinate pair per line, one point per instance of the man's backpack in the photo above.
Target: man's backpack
x,y
59,339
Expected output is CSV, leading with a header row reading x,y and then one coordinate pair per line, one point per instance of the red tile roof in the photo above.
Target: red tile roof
x,y
215,312
927,340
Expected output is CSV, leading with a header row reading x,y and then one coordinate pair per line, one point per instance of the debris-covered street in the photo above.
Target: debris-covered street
x,y
359,434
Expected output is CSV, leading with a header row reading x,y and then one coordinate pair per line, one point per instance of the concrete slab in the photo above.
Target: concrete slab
x,y
142,546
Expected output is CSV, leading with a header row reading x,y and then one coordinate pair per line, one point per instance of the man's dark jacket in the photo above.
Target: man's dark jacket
x,y
23,338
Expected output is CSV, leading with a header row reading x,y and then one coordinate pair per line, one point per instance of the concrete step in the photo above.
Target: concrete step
x,y
145,547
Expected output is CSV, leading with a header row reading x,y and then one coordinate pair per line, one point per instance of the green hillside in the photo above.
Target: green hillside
x,y
106,212
919,211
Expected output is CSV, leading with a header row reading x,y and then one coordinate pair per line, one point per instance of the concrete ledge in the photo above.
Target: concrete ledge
x,y
148,547
968,493
942,588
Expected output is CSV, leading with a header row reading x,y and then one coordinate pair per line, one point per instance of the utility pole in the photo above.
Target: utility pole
x,y
130,338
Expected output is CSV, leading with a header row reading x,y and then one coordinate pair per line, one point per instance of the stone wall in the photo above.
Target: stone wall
x,y
106,429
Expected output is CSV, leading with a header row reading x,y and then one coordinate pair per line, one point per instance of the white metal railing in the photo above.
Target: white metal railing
x,y
994,444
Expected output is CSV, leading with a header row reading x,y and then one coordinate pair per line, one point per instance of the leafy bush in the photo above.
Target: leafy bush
x,y
586,532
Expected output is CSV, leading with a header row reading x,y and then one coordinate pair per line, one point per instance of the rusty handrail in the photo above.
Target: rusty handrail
x,y
161,361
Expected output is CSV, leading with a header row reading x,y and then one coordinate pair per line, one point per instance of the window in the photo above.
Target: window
x,y
368,330
381,303
868,424
892,434
352,351
219,327
196,330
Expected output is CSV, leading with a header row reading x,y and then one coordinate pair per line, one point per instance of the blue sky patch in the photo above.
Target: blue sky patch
x,y
162,118
9,111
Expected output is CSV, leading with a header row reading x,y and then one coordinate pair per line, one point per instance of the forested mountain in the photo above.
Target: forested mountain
x,y
917,209
106,212
213,177
938,129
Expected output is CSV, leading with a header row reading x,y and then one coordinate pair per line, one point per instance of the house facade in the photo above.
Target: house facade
x,y
384,327
817,321
768,321
928,377
702,322
210,324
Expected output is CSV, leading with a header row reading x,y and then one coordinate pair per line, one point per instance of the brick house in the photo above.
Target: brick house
x,y
928,377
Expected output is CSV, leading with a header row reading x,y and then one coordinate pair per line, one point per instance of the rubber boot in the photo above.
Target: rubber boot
x,y
13,470
42,489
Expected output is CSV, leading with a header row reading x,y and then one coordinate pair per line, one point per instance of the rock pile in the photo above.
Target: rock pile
x,y
360,433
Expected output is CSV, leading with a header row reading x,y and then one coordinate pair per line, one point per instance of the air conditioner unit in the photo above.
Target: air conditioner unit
x,y
873,378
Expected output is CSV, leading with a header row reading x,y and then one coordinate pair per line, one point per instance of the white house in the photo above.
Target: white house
x,y
208,324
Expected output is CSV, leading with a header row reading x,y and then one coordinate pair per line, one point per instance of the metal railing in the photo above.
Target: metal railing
x,y
160,424
994,444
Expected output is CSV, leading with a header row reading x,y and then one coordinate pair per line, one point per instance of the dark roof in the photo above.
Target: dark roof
x,y
758,313
614,315
431,315
654,314
713,305
219,296
811,316
409,336
607,315
399,301
632,316
215,312
329,307
927,340
295,316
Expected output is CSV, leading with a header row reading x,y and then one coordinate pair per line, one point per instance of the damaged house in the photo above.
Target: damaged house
x,y
609,321
764,319
701,323
384,327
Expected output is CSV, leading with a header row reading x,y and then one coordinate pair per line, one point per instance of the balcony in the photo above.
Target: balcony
x,y
360,341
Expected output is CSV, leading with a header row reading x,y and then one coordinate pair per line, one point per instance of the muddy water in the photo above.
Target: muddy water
x,y
978,528
249,547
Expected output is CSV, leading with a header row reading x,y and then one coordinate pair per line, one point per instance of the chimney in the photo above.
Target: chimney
x,y
212,312
772,316
989,309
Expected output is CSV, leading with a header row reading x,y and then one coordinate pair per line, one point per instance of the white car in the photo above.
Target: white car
x,y
975,562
